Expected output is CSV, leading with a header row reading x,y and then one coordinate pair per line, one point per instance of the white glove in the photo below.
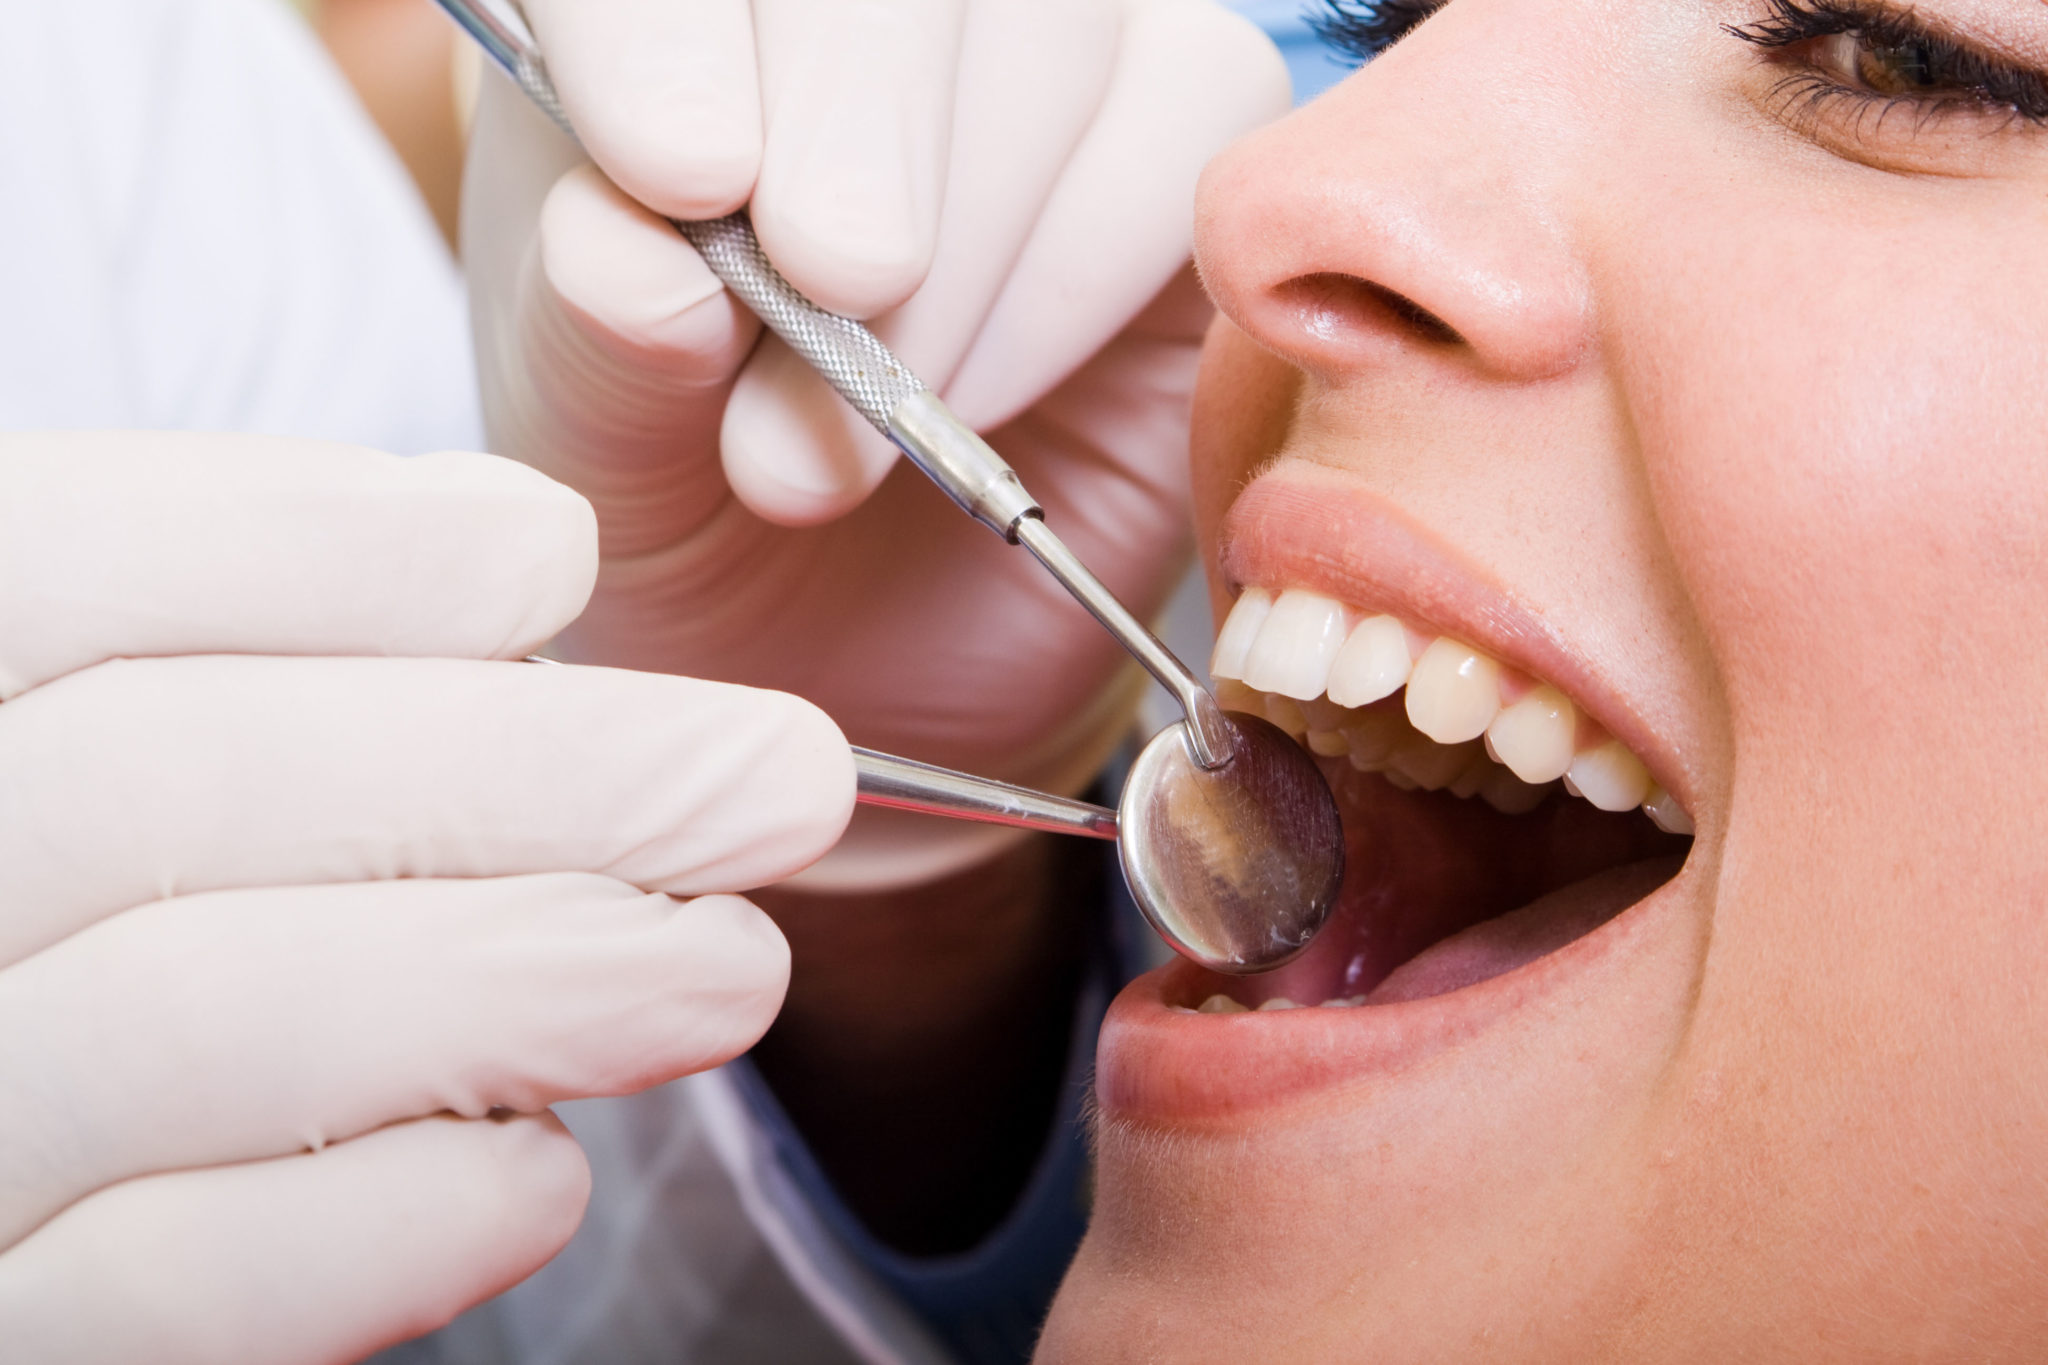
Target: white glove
x,y
1007,188
267,922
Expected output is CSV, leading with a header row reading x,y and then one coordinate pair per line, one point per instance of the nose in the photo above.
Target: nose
x,y
1411,211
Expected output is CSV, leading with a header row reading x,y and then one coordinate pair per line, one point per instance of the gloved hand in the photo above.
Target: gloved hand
x,y
297,943
1005,187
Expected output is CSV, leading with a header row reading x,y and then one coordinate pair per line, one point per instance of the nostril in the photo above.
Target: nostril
x,y
1328,306
1426,324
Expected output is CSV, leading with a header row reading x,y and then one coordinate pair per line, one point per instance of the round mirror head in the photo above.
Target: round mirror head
x,y
1239,867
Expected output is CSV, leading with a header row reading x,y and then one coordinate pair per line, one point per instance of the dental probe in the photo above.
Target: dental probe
x,y
882,389
900,784
1229,838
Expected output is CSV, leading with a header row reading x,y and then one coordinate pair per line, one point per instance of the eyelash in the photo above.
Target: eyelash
x,y
1362,29
1959,78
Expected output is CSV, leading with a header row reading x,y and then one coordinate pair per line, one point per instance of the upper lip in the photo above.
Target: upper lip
x,y
1303,525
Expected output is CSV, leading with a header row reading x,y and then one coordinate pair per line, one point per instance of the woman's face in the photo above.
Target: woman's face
x,y
1704,379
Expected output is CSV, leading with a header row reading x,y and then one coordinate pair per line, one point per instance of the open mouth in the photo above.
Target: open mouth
x,y
1488,820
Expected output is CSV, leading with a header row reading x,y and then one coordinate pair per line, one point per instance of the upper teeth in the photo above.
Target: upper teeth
x,y
1310,664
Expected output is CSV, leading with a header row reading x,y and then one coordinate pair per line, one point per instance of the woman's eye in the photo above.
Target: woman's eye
x,y
1876,56
1881,68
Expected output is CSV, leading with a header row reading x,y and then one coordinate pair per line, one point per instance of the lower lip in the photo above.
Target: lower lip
x,y
1160,1064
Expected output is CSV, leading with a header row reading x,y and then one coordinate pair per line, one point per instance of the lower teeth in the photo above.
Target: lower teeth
x,y
1223,1004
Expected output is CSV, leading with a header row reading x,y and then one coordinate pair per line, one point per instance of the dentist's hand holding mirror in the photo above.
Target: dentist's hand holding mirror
x,y
312,899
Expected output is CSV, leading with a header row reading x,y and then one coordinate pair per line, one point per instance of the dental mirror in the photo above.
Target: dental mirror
x,y
1236,866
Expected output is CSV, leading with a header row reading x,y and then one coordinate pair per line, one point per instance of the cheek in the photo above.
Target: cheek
x,y
1842,416
1839,403
1244,403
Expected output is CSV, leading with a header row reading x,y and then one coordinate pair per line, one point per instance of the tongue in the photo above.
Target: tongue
x,y
1501,944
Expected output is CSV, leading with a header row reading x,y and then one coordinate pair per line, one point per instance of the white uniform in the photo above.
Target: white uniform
x,y
205,231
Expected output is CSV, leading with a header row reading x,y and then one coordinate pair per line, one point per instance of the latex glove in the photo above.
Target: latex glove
x,y
267,922
1006,187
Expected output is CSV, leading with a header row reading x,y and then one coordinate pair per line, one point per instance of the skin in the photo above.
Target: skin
x,y
1747,407
400,57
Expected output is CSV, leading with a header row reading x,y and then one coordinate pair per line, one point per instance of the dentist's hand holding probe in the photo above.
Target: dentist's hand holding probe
x,y
310,903
1006,189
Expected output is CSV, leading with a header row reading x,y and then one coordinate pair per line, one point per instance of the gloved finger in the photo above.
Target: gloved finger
x,y
605,346
238,1025
859,110
793,452
1107,447
613,291
1106,450
1190,78
663,94
139,780
1033,74
314,1258
121,544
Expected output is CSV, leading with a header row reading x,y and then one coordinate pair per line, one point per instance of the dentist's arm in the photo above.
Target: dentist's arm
x,y
311,901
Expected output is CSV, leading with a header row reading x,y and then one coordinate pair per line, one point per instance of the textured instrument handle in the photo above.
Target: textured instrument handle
x,y
852,359
880,387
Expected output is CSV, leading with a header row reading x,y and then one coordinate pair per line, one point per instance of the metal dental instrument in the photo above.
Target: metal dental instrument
x,y
882,389
900,784
1231,842
1236,867
1207,848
